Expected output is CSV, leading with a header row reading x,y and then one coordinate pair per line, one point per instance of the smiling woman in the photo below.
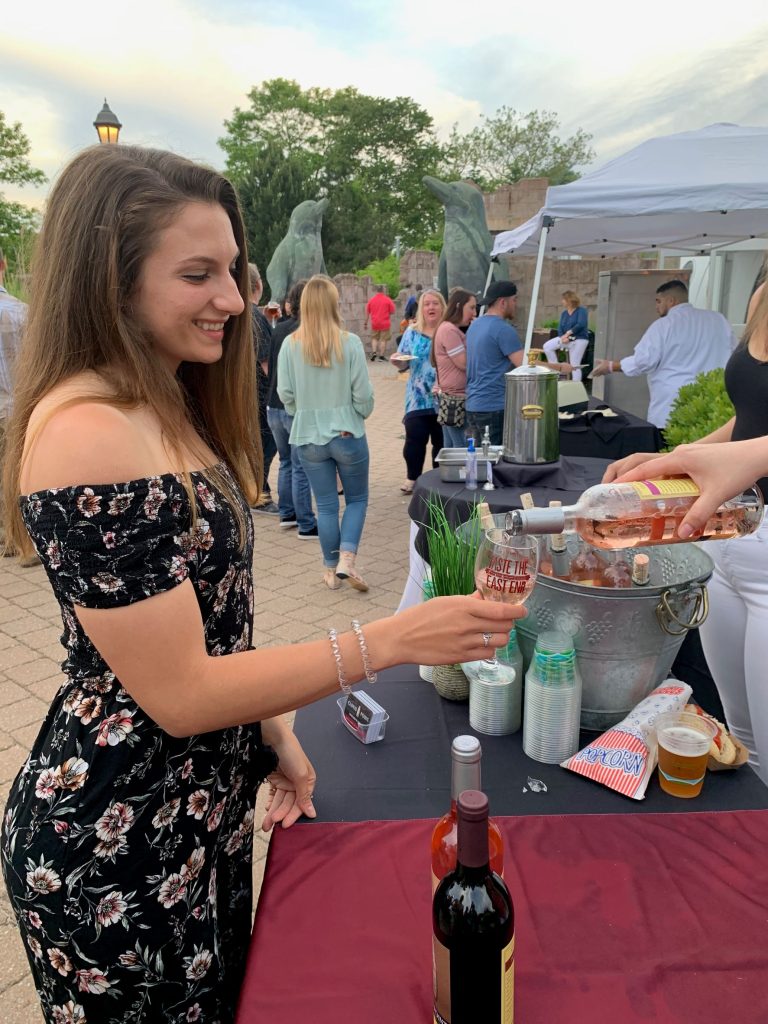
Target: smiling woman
x,y
132,452
184,302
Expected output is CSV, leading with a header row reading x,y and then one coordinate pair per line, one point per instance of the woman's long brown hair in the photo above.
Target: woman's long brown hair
x,y
101,222
452,314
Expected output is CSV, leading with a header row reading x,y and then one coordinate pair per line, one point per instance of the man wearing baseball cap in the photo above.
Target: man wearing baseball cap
x,y
492,345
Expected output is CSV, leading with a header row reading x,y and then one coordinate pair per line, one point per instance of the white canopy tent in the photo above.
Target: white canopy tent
x,y
693,192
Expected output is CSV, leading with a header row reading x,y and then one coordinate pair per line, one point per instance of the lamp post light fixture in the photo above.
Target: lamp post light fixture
x,y
107,126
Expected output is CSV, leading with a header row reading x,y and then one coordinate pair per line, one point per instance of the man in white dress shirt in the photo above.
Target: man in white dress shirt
x,y
681,344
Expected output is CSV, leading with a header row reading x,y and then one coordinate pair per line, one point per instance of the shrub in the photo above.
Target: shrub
x,y
700,407
386,272
451,558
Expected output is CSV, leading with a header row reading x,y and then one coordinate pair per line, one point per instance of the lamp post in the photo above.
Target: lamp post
x,y
107,126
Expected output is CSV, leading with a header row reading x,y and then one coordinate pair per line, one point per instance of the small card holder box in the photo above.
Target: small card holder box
x,y
364,718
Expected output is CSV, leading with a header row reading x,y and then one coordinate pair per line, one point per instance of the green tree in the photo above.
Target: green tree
x,y
510,145
367,154
15,169
270,186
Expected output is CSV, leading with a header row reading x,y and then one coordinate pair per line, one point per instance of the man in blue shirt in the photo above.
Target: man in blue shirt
x,y
493,348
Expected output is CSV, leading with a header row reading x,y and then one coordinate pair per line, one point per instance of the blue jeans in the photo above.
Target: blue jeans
x,y
294,498
453,437
478,421
348,455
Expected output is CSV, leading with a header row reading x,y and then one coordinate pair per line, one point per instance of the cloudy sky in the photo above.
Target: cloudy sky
x,y
173,70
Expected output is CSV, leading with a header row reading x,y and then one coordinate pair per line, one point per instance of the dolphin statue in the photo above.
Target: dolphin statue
x,y
467,243
300,253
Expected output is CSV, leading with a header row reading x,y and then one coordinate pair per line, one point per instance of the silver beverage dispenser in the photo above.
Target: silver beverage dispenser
x,y
530,415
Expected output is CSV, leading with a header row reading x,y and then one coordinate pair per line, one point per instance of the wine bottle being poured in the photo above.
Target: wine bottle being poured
x,y
631,515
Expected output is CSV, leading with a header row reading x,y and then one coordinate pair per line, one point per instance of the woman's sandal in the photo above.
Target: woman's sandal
x,y
407,489
346,570
353,578
331,580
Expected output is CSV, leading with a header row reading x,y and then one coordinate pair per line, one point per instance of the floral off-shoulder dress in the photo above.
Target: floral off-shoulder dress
x,y
126,852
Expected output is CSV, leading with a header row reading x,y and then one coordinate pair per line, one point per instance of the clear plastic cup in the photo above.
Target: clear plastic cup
x,y
684,740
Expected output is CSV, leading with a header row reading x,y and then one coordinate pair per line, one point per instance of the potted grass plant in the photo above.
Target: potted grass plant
x,y
452,562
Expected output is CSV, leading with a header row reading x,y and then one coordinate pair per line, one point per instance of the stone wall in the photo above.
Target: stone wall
x,y
354,293
511,205
419,267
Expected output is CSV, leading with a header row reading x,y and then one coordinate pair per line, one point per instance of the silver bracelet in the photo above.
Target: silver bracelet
x,y
334,638
370,675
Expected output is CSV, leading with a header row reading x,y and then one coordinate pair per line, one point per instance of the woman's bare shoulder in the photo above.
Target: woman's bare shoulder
x,y
76,435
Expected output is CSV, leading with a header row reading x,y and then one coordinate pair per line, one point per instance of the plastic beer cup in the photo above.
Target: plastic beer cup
x,y
684,740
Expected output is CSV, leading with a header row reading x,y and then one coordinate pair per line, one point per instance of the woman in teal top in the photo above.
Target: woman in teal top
x,y
420,418
322,379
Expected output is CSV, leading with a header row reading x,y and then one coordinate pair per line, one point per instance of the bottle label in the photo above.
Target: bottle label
x,y
665,488
508,983
441,981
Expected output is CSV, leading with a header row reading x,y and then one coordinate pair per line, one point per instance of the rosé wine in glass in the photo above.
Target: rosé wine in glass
x,y
505,568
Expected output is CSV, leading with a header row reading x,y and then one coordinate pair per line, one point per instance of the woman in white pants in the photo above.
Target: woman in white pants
x,y
572,333
735,635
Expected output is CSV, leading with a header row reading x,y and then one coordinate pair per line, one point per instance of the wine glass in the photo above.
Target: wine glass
x,y
505,570
273,312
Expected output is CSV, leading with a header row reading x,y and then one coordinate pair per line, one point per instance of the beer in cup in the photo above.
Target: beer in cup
x,y
684,740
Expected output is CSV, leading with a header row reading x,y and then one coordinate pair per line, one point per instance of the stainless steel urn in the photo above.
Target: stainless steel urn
x,y
530,415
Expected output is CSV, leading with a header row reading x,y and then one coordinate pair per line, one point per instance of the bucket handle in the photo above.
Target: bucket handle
x,y
671,623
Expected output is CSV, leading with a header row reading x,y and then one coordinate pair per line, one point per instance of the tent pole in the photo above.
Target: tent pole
x,y
711,280
494,259
547,223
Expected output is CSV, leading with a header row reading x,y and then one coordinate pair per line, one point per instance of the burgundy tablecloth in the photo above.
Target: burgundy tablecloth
x,y
620,919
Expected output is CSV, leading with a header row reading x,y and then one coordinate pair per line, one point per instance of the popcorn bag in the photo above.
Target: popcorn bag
x,y
623,758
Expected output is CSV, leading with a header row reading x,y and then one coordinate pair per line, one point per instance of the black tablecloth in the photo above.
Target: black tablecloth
x,y
408,773
607,438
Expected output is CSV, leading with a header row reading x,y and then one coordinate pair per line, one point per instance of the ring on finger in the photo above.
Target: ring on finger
x,y
487,639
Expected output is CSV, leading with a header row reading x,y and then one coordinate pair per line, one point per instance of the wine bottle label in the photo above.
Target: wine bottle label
x,y
665,489
508,983
441,981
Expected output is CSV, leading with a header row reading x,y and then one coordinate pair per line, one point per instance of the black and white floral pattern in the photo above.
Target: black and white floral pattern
x,y
127,852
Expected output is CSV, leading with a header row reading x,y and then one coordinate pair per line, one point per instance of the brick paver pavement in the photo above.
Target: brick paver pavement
x,y
291,605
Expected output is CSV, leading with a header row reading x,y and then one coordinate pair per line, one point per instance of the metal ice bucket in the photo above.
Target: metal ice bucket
x,y
625,639
531,427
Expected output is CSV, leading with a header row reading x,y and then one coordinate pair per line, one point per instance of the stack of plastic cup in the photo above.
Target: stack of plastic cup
x,y
552,700
495,697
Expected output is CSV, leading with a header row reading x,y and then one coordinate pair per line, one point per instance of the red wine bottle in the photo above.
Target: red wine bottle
x,y
473,930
